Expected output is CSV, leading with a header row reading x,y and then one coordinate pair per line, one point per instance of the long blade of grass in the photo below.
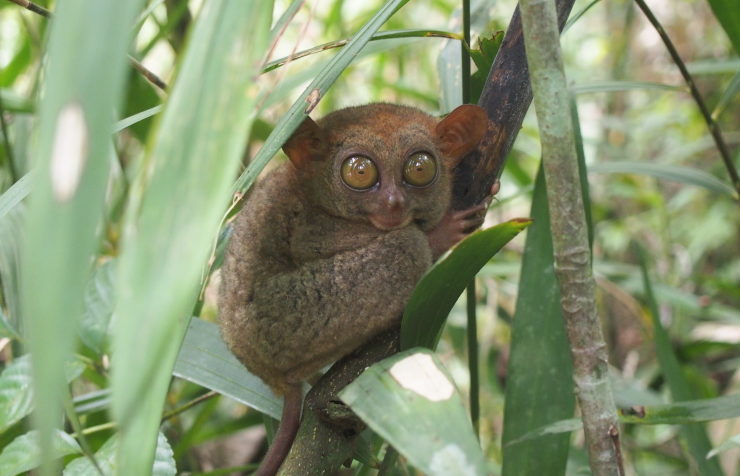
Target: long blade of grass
x,y
84,84
315,90
674,173
177,202
695,435
539,389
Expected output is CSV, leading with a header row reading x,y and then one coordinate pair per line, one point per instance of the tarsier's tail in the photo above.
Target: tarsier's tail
x,y
285,433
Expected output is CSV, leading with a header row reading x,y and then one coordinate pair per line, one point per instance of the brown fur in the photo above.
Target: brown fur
x,y
307,277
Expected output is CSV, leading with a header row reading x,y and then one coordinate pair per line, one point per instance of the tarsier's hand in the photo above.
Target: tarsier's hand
x,y
456,225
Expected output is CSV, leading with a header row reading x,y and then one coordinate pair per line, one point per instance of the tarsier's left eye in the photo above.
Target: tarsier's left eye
x,y
420,169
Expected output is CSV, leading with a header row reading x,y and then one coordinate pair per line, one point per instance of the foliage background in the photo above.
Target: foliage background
x,y
655,179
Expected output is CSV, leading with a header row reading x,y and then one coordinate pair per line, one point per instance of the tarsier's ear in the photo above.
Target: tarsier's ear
x,y
306,144
461,131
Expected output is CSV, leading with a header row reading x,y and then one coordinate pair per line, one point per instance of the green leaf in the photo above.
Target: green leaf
x,y
318,87
176,205
164,463
14,102
728,15
24,454
694,434
98,307
16,390
204,359
84,71
411,401
439,288
562,426
731,443
14,195
673,173
483,57
539,388
138,117
11,225
694,411
727,96
612,86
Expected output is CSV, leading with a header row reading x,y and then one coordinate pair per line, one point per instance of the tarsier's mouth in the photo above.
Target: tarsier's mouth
x,y
388,223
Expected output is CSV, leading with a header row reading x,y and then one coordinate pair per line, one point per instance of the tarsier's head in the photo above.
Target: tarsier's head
x,y
385,164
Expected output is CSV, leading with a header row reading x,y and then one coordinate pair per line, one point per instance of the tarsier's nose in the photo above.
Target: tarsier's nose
x,y
395,201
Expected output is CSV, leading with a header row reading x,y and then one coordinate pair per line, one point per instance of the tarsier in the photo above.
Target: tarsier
x,y
330,245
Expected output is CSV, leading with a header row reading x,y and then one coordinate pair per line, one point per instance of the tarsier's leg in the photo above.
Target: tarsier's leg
x,y
329,306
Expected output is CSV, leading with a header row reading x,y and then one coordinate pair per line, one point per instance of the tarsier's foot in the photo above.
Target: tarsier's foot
x,y
456,225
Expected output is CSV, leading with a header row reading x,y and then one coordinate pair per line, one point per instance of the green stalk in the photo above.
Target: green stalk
x,y
570,237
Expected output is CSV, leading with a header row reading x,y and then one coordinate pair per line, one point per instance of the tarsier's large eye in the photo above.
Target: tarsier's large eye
x,y
420,169
359,172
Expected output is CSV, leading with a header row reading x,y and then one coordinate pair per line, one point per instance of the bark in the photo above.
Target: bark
x,y
570,238
321,445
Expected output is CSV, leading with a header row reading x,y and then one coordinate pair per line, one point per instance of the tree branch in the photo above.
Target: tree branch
x,y
570,239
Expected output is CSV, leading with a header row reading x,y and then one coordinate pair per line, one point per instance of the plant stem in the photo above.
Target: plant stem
x,y
570,238
473,364
711,123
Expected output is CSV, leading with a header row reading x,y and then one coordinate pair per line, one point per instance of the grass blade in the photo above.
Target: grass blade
x,y
84,84
316,89
177,203
673,173
436,293
539,389
695,435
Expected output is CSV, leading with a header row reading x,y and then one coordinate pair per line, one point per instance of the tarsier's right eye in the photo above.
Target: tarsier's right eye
x,y
359,172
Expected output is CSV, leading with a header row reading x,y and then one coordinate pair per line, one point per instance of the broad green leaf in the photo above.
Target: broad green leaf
x,y
84,73
204,359
411,401
16,390
612,86
674,173
98,306
315,90
176,204
483,56
436,293
23,453
731,443
695,435
728,15
164,463
539,388
694,411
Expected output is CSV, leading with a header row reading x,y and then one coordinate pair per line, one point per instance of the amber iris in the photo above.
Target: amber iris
x,y
420,169
359,172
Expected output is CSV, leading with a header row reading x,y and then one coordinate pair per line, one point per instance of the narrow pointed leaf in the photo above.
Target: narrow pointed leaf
x,y
177,202
85,69
164,463
539,388
436,293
